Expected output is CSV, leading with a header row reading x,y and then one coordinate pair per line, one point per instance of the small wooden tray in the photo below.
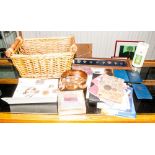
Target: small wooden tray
x,y
73,80
109,63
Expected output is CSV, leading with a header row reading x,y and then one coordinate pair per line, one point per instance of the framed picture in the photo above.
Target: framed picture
x,y
125,48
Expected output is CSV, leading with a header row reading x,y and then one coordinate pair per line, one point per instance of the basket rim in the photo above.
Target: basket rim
x,y
54,54
48,38
12,50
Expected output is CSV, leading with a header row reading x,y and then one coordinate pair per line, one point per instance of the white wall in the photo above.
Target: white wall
x,y
103,41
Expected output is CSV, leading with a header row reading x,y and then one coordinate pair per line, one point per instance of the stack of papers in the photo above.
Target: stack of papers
x,y
112,96
126,109
107,87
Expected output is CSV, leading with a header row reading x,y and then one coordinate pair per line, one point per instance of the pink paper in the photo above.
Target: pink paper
x,y
93,90
97,80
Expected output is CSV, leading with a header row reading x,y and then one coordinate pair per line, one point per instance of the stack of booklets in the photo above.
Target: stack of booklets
x,y
112,96
34,95
71,103
125,109
133,77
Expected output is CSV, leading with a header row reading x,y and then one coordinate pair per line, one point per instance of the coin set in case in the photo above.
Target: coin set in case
x,y
106,62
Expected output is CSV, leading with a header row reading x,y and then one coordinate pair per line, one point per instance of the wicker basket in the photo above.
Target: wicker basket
x,y
42,57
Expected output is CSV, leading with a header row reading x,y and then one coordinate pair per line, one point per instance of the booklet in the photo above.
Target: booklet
x,y
34,90
121,74
71,102
141,91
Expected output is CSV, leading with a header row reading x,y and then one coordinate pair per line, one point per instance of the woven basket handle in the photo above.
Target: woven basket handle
x,y
14,47
73,48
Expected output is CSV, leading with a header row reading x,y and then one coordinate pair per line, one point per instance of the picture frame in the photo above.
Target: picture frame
x,y
125,48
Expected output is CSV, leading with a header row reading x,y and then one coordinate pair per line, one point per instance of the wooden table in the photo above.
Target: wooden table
x,y
88,118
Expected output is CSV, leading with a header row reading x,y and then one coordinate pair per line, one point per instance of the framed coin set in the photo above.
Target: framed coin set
x,y
110,63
